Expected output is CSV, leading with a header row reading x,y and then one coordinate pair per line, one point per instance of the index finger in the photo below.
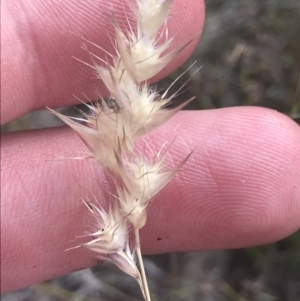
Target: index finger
x,y
37,66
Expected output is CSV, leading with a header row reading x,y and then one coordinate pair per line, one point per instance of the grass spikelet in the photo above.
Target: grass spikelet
x,y
111,235
142,181
110,241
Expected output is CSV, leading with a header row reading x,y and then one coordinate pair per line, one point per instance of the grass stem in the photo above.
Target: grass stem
x,y
141,264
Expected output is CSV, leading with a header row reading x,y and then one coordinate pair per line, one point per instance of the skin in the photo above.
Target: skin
x,y
240,187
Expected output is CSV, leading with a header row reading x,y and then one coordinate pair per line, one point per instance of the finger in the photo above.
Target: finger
x,y
240,187
40,37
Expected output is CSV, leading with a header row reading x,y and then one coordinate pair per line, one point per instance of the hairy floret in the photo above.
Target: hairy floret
x,y
111,235
142,181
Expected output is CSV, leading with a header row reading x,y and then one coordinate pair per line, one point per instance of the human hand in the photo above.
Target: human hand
x,y
240,187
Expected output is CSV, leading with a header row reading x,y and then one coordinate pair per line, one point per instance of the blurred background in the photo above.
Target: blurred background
x,y
249,54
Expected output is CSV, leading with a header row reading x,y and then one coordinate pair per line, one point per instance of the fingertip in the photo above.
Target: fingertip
x,y
241,186
184,27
